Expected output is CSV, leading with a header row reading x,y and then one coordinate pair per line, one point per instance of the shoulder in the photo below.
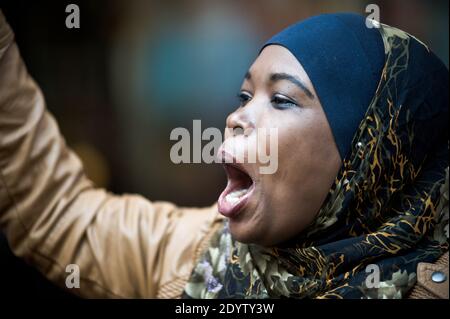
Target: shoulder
x,y
432,280
188,238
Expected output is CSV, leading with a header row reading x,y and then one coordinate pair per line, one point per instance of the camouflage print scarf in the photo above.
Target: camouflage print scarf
x,y
386,211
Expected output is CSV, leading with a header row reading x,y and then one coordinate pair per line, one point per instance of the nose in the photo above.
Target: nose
x,y
240,122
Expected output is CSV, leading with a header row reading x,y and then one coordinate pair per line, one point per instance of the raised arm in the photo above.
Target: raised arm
x,y
53,216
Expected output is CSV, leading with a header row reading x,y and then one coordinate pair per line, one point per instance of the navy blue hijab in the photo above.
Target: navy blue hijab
x,y
343,59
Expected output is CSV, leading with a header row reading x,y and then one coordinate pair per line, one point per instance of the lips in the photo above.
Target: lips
x,y
238,191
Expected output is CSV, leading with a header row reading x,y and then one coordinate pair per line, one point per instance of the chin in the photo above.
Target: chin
x,y
243,233
248,234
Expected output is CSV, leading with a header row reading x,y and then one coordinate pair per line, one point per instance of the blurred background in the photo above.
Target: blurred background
x,y
137,69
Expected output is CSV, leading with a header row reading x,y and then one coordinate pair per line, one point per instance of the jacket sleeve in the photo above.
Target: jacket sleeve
x,y
53,216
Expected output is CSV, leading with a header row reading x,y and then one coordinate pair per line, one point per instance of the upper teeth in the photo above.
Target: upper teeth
x,y
235,196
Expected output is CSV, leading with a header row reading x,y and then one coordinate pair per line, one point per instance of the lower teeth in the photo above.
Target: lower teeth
x,y
235,196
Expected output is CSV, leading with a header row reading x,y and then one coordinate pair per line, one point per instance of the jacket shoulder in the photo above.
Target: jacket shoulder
x,y
432,280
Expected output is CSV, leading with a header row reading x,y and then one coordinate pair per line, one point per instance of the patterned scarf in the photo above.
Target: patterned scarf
x,y
386,211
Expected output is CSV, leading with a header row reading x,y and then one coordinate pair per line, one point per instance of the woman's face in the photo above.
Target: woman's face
x,y
267,209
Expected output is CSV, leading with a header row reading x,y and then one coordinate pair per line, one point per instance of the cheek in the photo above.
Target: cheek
x,y
304,145
297,186
282,188
296,151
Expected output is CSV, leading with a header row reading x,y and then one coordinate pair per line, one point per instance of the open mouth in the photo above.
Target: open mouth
x,y
237,192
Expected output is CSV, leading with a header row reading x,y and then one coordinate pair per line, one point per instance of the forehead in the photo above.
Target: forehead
x,y
277,59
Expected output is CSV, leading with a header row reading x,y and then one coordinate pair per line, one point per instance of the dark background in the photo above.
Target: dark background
x,y
137,69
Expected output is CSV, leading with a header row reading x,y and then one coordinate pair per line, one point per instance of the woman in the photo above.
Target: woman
x,y
361,115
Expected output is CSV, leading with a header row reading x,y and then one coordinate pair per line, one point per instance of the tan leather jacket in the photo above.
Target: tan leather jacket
x,y
53,216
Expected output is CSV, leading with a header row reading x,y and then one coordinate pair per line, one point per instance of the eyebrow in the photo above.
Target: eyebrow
x,y
274,77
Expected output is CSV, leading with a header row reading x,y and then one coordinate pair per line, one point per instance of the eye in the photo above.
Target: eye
x,y
244,97
280,101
